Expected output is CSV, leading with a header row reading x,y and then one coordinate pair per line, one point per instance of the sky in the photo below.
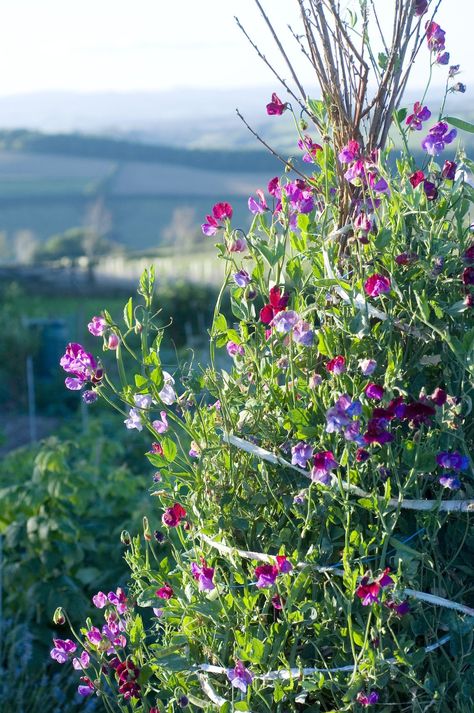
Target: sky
x,y
120,45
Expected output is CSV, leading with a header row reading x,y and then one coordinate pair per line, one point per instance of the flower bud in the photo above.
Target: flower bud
x,y
146,529
125,538
58,617
303,124
113,341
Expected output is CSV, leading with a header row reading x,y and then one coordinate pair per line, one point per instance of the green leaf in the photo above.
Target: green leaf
x,y
220,324
128,313
137,632
148,597
383,238
460,124
169,449
401,115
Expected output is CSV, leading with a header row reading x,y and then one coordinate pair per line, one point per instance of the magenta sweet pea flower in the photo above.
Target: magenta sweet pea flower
x,y
300,196
278,301
435,36
62,650
337,365
276,107
82,365
260,206
468,276
369,589
203,576
301,453
220,212
374,391
350,152
420,114
165,592
367,699
173,515
449,170
283,564
119,600
161,426
240,677
324,463
311,149
266,575
376,285
377,432
438,136
416,178
97,326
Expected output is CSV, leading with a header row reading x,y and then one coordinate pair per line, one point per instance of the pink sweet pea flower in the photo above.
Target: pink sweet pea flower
x,y
376,285
276,107
367,699
99,600
203,575
165,592
324,463
220,212
82,662
260,206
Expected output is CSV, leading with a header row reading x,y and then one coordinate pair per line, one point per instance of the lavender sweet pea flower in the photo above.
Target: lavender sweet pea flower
x,y
134,420
163,425
285,321
81,364
438,136
301,453
352,433
303,334
97,326
450,481
367,366
234,349
240,677
167,393
99,600
204,576
86,688
142,401
260,206
241,278
62,649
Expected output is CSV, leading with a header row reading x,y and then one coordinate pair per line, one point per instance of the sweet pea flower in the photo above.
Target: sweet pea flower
x,y
340,415
369,589
82,662
134,420
468,276
277,602
406,258
163,425
367,699
350,152
438,136
173,515
276,107
89,397
285,320
301,453
266,575
324,463
165,592
278,302
337,365
439,396
416,178
99,600
241,278
311,149
450,481
435,36
377,432
442,58
469,254
367,366
300,196
237,244
449,170
431,192
240,677
62,650
119,600
220,212
374,391
260,206
274,187
420,114
97,326
452,459
82,365
94,635
203,575
167,393
376,285
421,6
283,564
399,608
86,688
303,334
362,455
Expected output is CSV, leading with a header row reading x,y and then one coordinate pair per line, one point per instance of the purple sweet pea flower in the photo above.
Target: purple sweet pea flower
x,y
400,608
260,206
240,677
442,58
237,245
438,136
301,453
142,401
310,148
62,649
349,152
89,397
203,575
352,432
421,6
340,415
119,600
449,170
234,350
97,326
367,699
374,391
285,321
420,114
300,196
241,278
163,425
452,459
431,192
86,688
82,662
303,334
94,635
450,481
266,575
436,37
